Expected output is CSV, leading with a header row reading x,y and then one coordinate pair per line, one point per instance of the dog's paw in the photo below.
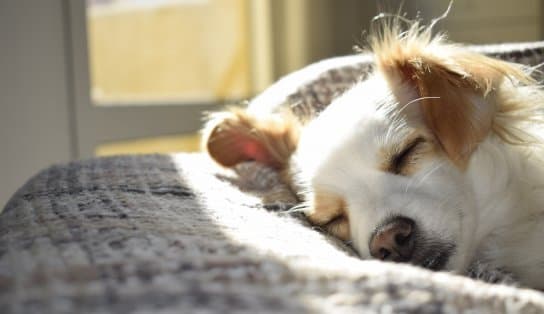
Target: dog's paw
x,y
491,274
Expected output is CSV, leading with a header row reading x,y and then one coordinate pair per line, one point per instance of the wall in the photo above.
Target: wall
x,y
309,30
34,112
485,21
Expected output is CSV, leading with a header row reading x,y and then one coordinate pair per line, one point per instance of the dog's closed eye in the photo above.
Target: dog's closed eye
x,y
328,210
400,163
338,227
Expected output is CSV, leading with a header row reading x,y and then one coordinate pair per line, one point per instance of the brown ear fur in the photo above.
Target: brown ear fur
x,y
235,136
450,110
455,85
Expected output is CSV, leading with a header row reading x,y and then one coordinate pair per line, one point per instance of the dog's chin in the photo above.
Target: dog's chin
x,y
434,255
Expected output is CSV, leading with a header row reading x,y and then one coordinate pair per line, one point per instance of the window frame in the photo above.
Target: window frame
x,y
94,124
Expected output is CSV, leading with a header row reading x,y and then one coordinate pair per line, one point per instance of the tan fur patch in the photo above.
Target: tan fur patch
x,y
328,210
448,79
235,136
425,148
458,123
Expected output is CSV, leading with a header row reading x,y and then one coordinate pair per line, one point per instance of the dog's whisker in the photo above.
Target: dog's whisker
x,y
441,17
416,100
535,68
425,176
297,208
440,165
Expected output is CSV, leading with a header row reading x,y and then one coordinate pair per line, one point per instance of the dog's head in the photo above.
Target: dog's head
x,y
386,164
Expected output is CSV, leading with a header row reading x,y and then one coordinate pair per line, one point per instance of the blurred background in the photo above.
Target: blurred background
x,y
89,78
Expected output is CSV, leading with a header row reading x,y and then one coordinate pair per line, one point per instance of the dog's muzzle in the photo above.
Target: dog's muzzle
x,y
399,240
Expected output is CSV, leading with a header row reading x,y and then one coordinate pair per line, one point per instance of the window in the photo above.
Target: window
x,y
149,68
177,51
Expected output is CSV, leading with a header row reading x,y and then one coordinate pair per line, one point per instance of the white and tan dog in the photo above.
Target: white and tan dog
x,y
436,159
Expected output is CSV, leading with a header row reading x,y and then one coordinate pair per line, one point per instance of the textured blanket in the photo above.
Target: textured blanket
x,y
176,234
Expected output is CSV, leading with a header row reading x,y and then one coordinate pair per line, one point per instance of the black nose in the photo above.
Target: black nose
x,y
394,240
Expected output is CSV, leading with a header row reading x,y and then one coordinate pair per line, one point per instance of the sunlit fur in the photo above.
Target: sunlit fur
x,y
482,188
476,181
235,135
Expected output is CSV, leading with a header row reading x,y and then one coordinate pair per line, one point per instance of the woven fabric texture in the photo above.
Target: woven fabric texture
x,y
178,234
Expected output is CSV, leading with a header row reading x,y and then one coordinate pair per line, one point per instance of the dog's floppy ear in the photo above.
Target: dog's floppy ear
x,y
454,87
234,136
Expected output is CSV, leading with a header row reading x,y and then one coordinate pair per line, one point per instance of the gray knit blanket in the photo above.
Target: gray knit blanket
x,y
179,234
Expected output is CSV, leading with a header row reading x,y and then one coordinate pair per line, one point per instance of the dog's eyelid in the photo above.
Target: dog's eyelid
x,y
398,161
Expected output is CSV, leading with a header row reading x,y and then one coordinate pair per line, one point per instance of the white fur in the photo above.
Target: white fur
x,y
474,188
493,210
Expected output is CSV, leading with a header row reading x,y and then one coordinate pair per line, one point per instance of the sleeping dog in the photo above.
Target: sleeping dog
x,y
435,160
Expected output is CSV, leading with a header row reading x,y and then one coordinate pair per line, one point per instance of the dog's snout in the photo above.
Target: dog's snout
x,y
394,240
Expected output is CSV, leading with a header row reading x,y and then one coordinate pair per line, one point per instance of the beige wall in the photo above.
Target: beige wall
x,y
34,128
485,21
308,30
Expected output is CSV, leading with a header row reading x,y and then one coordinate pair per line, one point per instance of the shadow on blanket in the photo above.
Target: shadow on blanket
x,y
177,234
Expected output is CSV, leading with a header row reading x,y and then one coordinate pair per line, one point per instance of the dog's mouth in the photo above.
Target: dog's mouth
x,y
432,254
436,261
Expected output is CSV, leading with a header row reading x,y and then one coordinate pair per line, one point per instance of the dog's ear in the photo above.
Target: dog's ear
x,y
234,136
454,87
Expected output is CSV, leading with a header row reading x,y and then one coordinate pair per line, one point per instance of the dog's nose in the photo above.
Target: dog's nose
x,y
394,240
